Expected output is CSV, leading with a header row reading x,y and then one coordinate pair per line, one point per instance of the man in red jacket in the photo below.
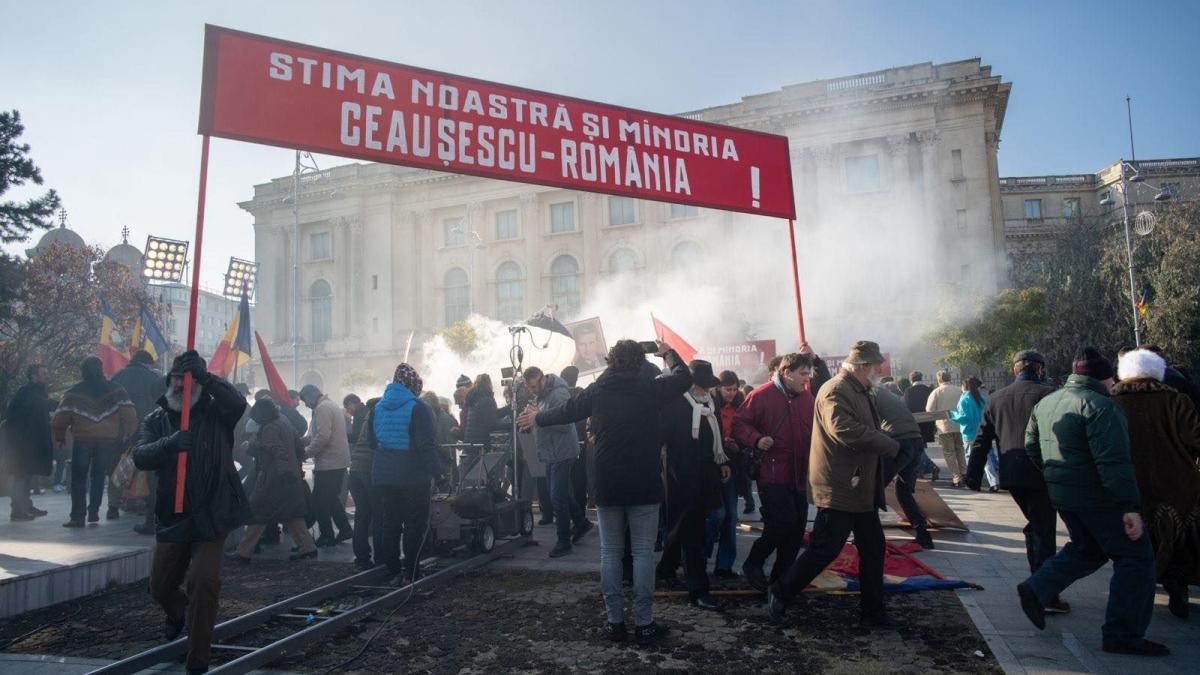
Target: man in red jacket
x,y
776,421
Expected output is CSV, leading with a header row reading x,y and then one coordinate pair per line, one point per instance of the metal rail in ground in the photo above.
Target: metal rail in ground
x,y
257,656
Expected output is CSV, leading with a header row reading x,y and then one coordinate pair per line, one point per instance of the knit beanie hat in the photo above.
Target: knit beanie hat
x,y
462,381
1088,361
407,376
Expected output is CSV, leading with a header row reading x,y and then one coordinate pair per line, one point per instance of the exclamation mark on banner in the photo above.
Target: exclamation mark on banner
x,y
754,186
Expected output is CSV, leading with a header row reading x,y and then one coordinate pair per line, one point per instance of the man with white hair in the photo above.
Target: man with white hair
x,y
945,399
844,475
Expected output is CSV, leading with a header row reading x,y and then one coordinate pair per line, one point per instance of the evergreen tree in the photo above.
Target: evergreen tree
x,y
19,219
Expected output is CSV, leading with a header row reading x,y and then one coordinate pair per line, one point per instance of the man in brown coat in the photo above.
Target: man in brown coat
x,y
845,484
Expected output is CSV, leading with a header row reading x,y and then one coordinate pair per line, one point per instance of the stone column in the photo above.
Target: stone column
x,y
592,217
825,182
932,178
532,230
476,260
358,318
344,264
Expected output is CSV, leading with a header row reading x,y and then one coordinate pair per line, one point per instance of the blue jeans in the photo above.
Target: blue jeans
x,y
1096,538
721,526
88,471
992,468
642,521
562,497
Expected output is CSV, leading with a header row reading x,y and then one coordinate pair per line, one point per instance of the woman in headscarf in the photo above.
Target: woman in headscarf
x,y
278,495
1164,440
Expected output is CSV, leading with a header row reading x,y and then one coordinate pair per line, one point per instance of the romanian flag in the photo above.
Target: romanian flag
x,y
146,335
279,390
686,351
234,349
112,348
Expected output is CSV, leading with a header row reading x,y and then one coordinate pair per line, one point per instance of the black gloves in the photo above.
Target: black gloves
x,y
181,441
192,362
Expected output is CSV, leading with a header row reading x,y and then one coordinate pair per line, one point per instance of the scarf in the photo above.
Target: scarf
x,y
703,409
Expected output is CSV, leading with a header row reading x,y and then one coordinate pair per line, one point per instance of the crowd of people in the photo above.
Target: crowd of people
x,y
663,455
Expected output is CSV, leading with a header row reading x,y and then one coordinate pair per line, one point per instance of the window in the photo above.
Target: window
x,y
457,293
862,173
622,261
455,231
1071,207
318,246
562,217
510,293
684,211
956,163
1033,209
620,211
962,219
564,286
686,256
506,224
320,297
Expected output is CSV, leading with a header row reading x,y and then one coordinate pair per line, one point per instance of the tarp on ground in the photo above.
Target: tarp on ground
x,y
937,512
902,572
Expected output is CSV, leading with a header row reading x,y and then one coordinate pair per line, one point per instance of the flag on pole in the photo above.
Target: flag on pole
x,y
686,351
111,349
234,349
146,335
279,390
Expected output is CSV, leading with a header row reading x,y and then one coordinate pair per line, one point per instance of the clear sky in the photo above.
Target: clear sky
x,y
109,91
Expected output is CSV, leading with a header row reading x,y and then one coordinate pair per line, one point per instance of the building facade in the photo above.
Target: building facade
x,y
897,195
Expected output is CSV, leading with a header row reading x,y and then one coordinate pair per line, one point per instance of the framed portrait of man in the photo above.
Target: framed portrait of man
x,y
590,347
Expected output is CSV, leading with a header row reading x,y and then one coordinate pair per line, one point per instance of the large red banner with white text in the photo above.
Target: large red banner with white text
x,y
291,95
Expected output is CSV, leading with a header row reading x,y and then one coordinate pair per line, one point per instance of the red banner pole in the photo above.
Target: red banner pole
x,y
185,414
796,280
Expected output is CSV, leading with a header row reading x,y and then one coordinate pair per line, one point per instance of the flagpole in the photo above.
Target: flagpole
x,y
796,280
185,414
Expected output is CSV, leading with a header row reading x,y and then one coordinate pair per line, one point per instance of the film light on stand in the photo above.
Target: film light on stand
x,y
164,259
240,277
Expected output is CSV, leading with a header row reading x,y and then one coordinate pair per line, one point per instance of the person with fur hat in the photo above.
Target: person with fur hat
x,y
1079,439
845,475
278,495
403,431
1164,441
101,419
194,520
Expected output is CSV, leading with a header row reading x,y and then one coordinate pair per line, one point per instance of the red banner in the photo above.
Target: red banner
x,y
748,359
274,92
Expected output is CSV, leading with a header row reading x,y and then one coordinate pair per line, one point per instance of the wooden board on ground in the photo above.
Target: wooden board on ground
x,y
937,512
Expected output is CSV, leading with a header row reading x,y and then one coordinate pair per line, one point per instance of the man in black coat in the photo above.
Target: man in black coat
x,y
915,397
624,406
191,535
29,451
1004,421
144,386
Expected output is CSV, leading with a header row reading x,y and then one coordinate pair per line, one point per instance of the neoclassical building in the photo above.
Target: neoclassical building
x,y
897,194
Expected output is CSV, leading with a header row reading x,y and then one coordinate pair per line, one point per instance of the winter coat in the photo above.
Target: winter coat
x,y
895,420
915,397
693,476
967,415
213,502
787,417
847,443
624,406
445,427
1079,439
278,494
96,411
294,418
327,444
362,455
1179,382
1164,441
401,429
561,441
143,385
480,413
944,399
1004,420
27,447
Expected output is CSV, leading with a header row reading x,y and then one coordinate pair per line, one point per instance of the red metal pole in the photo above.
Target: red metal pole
x,y
185,414
796,280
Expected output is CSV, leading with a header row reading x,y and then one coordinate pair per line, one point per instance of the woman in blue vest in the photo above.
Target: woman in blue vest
x,y
403,432
968,415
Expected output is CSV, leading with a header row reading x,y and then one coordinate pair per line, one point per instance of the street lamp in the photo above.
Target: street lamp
x,y
240,278
164,259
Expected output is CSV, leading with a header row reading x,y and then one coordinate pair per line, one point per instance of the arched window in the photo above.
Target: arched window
x,y
686,256
510,293
321,298
564,286
622,261
458,295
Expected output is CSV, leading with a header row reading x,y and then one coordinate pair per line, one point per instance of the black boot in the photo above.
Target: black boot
x,y
923,539
1177,602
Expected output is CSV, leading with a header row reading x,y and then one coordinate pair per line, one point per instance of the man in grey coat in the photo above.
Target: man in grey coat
x,y
557,448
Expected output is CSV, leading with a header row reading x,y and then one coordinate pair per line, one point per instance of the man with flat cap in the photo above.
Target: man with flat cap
x,y
845,484
1004,421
